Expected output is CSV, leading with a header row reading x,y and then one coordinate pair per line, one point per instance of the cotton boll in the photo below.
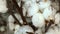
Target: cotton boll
x,y
3,7
11,22
16,28
2,28
38,20
49,13
24,30
33,9
26,6
43,5
57,18
38,31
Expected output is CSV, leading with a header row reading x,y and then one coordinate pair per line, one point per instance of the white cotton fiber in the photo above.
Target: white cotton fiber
x,y
24,30
38,20
3,7
57,18
11,22
43,5
49,13
39,31
33,9
25,7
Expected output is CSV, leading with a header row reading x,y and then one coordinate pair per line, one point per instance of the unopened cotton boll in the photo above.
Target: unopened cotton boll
x,y
33,9
17,26
24,30
39,31
57,18
43,5
49,13
3,7
38,20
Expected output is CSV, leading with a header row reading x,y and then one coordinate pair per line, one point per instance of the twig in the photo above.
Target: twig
x,y
10,6
19,9
50,23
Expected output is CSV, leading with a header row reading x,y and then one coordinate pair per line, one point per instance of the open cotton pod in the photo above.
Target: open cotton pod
x,y
57,18
49,13
16,28
39,31
33,9
24,30
3,7
44,4
38,20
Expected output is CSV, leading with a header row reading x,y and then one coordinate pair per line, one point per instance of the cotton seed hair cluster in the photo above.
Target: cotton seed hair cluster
x,y
38,11
41,11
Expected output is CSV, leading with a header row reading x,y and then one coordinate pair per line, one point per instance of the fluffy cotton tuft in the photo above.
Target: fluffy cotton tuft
x,y
57,18
3,7
16,28
43,5
38,31
49,13
38,20
26,6
33,9
11,22
24,30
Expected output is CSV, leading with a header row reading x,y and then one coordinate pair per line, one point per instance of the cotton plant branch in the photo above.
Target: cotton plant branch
x,y
48,26
20,10
10,7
